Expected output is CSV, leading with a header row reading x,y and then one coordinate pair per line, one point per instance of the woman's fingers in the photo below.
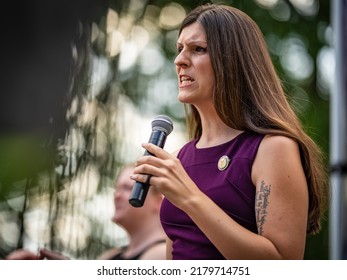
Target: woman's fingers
x,y
155,150
140,177
151,164
22,254
52,255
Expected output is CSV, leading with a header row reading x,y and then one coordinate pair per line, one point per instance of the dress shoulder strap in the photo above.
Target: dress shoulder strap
x,y
120,255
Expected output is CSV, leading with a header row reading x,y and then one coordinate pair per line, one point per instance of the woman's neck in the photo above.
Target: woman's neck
x,y
215,132
140,238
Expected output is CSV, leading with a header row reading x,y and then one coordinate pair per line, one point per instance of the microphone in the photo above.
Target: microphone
x,y
161,127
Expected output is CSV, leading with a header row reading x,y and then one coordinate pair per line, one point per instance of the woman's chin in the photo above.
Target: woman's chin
x,y
183,98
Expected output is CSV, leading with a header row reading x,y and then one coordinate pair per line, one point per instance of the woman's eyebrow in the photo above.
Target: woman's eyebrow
x,y
192,42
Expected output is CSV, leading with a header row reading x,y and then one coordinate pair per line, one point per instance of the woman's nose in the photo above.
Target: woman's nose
x,y
182,59
116,194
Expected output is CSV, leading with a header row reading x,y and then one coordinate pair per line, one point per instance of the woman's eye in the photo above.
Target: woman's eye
x,y
200,49
193,49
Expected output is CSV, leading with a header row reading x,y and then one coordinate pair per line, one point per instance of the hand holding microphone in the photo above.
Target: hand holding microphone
x,y
162,126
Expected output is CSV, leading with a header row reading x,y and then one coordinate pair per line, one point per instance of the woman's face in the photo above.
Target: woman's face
x,y
194,70
125,214
122,193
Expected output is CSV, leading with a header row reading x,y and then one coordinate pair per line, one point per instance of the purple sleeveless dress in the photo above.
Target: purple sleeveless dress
x,y
232,189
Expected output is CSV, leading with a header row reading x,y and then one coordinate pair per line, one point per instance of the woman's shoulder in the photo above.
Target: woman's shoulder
x,y
276,152
156,251
278,144
278,158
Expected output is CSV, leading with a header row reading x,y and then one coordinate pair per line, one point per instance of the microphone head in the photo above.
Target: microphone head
x,y
162,123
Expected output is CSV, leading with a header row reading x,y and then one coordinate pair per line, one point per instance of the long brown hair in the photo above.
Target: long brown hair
x,y
249,95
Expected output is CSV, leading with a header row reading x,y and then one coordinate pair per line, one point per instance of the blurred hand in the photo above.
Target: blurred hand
x,y
52,255
22,254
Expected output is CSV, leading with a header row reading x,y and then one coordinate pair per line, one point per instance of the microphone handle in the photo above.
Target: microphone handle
x,y
157,138
140,190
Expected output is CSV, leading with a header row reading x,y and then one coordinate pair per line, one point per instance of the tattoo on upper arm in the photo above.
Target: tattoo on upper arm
x,y
261,204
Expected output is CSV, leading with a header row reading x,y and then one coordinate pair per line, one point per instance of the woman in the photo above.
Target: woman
x,y
250,184
146,236
145,233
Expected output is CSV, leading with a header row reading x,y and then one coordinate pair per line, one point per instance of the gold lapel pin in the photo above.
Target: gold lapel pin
x,y
223,163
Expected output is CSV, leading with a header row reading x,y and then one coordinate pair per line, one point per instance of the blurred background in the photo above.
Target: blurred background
x,y
81,81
